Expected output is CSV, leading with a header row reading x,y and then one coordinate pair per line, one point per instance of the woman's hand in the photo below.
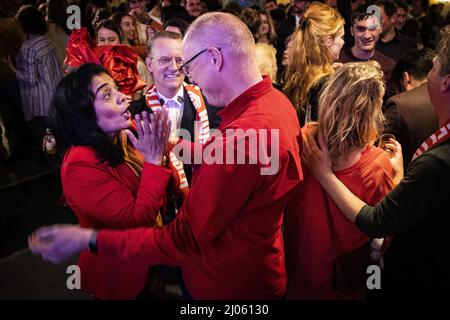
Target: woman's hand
x,y
396,159
317,159
153,134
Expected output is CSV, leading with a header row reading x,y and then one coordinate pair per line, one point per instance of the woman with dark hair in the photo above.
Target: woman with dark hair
x,y
127,25
108,32
106,182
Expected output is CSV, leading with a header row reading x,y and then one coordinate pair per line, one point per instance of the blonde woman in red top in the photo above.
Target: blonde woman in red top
x,y
350,120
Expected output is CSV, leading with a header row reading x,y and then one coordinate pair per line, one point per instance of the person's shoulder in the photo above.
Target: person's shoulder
x,y
39,46
384,59
440,153
434,162
346,56
80,154
409,98
375,166
373,157
407,41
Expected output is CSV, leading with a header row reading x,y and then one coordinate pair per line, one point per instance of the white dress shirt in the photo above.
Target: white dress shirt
x,y
175,106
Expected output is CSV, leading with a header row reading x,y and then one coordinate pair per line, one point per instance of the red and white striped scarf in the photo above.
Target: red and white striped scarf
x,y
201,131
436,138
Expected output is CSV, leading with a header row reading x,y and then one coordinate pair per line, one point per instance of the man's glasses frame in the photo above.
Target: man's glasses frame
x,y
185,66
164,60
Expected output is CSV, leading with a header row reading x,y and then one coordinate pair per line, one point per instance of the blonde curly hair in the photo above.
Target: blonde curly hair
x,y
350,114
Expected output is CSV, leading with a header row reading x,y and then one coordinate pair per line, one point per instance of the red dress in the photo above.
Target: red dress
x,y
309,254
227,237
103,197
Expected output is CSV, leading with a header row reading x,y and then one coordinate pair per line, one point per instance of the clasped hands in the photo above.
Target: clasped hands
x,y
153,135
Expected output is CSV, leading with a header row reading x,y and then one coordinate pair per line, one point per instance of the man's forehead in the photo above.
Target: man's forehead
x,y
188,47
166,43
370,22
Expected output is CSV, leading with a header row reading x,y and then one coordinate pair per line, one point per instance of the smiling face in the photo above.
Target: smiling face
x,y
387,23
365,33
137,7
111,108
265,27
167,76
107,37
194,7
128,29
402,15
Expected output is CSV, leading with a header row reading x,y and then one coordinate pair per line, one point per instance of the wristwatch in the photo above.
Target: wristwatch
x,y
93,243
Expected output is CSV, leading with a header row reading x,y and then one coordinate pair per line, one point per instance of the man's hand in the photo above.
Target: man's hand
x,y
58,243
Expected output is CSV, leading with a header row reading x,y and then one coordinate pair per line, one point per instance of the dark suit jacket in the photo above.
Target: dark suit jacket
x,y
187,121
411,119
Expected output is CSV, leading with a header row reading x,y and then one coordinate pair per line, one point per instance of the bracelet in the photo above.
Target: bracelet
x,y
92,244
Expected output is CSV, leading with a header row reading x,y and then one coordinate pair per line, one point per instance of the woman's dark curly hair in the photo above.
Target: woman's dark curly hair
x,y
72,115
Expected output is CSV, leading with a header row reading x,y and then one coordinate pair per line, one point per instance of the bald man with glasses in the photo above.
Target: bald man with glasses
x,y
227,236
164,61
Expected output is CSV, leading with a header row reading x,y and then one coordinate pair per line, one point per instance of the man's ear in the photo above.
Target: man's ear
x,y
148,63
216,57
445,86
406,77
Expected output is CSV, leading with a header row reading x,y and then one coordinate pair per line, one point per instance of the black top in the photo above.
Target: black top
x,y
397,47
311,108
417,212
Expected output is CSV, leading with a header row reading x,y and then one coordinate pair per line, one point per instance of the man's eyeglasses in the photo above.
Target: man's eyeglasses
x,y
165,61
185,66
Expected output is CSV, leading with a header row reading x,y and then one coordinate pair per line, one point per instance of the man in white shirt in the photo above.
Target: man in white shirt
x,y
184,101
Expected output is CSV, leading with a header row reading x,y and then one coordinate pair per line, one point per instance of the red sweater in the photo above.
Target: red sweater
x,y
227,236
103,197
309,254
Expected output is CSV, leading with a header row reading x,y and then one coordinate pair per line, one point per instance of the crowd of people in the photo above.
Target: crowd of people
x,y
140,98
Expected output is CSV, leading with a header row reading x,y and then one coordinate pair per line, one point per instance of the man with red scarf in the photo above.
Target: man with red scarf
x,y
163,61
